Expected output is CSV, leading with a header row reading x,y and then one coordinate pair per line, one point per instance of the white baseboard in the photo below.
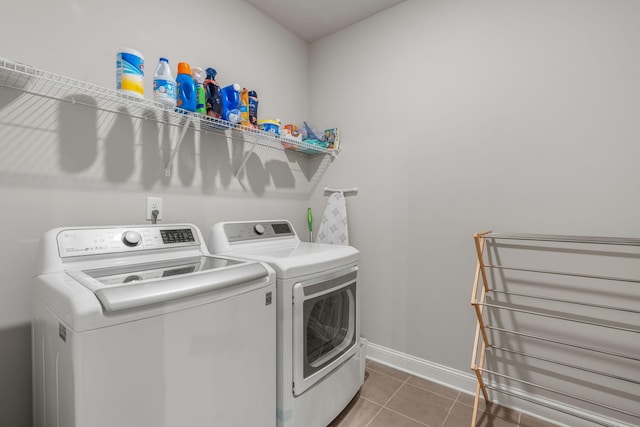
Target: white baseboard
x,y
461,381
466,383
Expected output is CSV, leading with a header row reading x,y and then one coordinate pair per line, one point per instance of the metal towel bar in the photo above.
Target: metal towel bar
x,y
345,191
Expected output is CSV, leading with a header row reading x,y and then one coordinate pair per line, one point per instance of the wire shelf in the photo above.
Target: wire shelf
x,y
45,84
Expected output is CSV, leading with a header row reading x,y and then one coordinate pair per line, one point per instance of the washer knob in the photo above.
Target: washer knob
x,y
131,238
258,228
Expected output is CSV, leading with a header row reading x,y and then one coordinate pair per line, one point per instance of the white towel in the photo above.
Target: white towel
x,y
333,228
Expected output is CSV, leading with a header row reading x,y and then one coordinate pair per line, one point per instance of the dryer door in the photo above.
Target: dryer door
x,y
325,326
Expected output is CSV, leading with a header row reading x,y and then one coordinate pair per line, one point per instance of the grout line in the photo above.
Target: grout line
x,y
417,386
374,417
395,392
406,416
450,409
390,376
405,382
388,400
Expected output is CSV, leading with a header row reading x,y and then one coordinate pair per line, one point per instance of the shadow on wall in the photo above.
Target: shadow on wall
x,y
81,140
15,375
8,97
96,148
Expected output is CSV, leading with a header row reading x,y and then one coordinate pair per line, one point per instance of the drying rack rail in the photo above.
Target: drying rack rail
x,y
489,266
48,85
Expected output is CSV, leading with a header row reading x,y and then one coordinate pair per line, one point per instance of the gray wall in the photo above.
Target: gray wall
x,y
463,115
63,164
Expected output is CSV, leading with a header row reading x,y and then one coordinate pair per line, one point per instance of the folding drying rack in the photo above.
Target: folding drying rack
x,y
495,295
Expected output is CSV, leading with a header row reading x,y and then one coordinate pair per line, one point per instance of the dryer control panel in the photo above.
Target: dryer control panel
x,y
97,241
240,231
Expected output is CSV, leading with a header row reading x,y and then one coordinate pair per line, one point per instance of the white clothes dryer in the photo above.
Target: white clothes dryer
x,y
320,355
139,326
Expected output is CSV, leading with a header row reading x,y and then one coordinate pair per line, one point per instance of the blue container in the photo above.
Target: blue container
x,y
185,88
272,126
231,103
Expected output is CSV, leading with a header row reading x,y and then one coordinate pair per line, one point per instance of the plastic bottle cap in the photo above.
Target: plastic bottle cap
x,y
184,68
236,87
211,73
132,51
164,59
198,74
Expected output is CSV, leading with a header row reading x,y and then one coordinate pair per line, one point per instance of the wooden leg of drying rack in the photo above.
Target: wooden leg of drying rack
x,y
478,308
478,365
479,240
480,386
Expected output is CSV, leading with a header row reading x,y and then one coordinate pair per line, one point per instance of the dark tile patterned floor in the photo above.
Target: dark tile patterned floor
x,y
393,398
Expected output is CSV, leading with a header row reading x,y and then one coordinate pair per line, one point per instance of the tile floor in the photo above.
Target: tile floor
x,y
393,398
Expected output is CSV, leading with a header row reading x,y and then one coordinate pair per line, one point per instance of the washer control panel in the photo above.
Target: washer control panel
x,y
240,231
96,241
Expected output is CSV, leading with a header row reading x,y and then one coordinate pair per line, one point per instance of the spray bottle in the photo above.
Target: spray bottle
x,y
198,78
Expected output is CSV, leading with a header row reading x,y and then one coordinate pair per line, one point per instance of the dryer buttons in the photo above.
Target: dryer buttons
x,y
259,228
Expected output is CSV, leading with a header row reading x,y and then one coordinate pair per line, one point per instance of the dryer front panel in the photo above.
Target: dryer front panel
x,y
325,331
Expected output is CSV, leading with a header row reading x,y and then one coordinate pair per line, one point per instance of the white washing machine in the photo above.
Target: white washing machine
x,y
320,355
139,326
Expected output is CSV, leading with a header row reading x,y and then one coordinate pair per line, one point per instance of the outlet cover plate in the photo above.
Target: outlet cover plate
x,y
154,203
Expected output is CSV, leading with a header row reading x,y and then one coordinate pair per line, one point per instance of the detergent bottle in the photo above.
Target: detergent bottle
x,y
164,86
198,78
213,94
231,103
185,88
244,107
253,109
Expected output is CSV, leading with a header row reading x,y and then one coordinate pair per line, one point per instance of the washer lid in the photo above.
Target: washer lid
x,y
135,285
126,274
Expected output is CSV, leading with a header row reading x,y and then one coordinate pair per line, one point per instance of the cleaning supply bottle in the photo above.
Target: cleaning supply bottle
x,y
164,86
185,88
198,78
244,107
130,72
253,109
213,94
231,103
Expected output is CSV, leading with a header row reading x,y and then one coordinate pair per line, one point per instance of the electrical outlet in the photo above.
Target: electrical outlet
x,y
154,203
